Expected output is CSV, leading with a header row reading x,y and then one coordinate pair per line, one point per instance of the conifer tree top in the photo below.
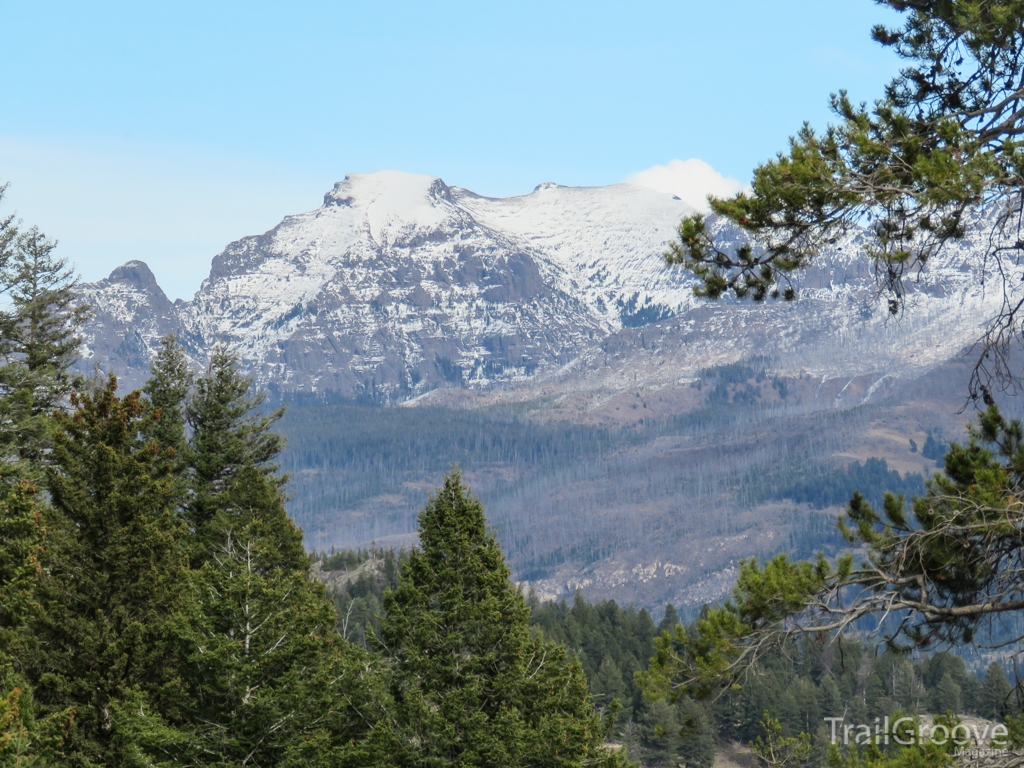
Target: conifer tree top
x,y
452,521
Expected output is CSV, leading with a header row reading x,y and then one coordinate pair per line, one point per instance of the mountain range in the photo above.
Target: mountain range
x,y
399,284
555,308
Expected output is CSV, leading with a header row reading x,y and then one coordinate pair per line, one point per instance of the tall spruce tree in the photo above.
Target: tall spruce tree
x,y
39,341
168,389
113,573
261,677
37,346
47,315
997,700
228,432
8,237
232,474
471,686
8,231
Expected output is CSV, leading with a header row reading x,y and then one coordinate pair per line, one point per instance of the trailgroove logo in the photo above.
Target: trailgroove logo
x,y
906,731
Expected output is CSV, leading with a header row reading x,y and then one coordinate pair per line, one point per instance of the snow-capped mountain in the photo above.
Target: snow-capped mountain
x,y
130,314
399,284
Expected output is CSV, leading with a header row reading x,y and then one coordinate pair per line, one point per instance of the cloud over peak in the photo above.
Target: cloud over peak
x,y
690,180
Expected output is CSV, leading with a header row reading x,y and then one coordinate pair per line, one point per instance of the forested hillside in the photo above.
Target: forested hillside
x,y
654,510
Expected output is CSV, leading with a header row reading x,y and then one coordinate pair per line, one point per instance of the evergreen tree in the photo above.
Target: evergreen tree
x,y
37,345
940,664
8,237
660,735
697,747
261,677
909,690
168,389
878,696
232,480
264,678
933,449
608,685
21,532
805,715
938,153
227,433
38,340
934,671
830,702
946,697
671,734
670,620
113,573
559,724
46,319
471,686
8,232
996,699
778,751
24,740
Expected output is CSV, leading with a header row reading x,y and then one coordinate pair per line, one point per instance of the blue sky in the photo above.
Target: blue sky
x,y
162,131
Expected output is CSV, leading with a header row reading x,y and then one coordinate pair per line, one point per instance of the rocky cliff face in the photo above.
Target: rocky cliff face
x,y
130,314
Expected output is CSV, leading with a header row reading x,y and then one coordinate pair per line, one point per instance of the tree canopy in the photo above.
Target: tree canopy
x,y
939,153
38,341
471,685
940,573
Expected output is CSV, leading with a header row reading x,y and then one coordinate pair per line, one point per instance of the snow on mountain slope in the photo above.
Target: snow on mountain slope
x,y
607,238
130,314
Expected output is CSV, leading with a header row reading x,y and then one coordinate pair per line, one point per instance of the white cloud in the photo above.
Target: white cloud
x,y
690,180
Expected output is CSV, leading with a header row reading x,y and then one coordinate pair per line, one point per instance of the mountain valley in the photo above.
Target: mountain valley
x,y
626,438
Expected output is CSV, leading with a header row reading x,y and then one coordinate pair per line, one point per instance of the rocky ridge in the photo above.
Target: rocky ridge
x,y
399,285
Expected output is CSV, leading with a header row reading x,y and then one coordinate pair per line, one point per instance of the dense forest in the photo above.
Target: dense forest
x,y
832,488
800,684
159,609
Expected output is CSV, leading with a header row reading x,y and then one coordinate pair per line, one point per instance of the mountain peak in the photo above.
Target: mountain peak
x,y
387,187
135,274
392,203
